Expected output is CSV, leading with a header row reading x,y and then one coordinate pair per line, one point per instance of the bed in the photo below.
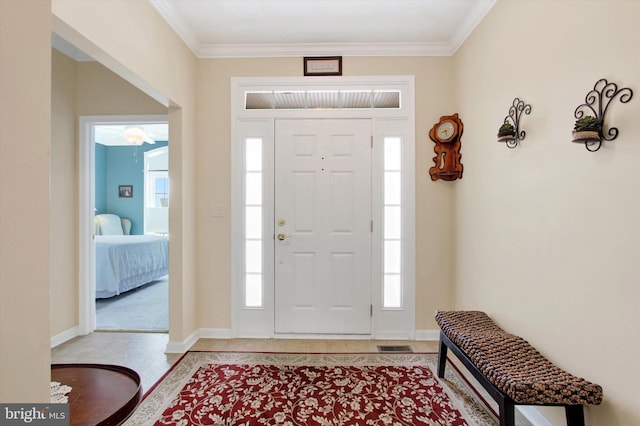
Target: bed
x,y
125,262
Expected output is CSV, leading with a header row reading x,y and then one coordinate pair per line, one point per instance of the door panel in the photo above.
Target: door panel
x,y
323,215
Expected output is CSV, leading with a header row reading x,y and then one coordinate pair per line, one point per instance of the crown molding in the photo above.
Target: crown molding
x,y
175,20
208,51
472,20
323,49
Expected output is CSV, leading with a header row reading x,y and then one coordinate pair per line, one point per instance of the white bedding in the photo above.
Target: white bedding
x,y
124,262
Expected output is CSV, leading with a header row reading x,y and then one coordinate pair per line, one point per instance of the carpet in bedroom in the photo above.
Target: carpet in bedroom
x,y
143,309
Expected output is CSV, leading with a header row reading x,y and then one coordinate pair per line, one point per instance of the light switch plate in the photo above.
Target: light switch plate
x,y
217,210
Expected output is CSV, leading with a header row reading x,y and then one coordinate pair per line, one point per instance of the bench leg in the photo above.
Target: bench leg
x,y
575,415
507,412
442,358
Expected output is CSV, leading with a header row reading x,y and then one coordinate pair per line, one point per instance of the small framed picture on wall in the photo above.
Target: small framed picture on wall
x,y
125,191
324,65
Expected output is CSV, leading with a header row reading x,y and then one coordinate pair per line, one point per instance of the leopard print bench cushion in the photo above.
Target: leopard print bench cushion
x,y
512,364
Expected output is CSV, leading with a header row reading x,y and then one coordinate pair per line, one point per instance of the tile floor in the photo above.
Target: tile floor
x,y
306,345
144,352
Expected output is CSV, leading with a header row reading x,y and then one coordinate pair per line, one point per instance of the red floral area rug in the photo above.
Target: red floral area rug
x,y
217,388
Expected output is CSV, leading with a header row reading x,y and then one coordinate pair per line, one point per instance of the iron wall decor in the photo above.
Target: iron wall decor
x,y
510,132
588,128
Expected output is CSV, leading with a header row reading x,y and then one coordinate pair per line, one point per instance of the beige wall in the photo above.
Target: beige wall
x,y
164,68
433,200
548,233
84,88
64,189
25,132
150,55
545,235
102,92
99,91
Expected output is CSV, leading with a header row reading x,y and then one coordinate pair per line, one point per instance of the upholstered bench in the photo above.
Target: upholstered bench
x,y
510,369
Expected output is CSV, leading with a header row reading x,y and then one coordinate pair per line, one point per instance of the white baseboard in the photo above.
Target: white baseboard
x,y
249,334
392,335
65,336
431,335
215,333
533,415
205,333
285,336
182,347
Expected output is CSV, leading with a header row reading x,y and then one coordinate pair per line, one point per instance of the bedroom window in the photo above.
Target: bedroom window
x,y
392,252
158,190
253,281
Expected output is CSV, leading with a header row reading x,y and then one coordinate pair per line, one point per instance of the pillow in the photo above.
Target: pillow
x,y
126,226
109,224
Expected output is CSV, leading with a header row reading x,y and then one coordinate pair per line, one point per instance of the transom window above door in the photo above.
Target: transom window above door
x,y
323,99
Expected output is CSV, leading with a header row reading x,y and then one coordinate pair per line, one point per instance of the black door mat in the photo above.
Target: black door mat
x,y
399,349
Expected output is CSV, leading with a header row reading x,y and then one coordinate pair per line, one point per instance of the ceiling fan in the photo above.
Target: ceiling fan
x,y
126,135
136,135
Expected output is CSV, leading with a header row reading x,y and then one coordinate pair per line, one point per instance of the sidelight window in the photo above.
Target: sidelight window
x,y
392,251
253,206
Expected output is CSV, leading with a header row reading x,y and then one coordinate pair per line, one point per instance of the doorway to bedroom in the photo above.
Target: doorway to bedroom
x,y
131,197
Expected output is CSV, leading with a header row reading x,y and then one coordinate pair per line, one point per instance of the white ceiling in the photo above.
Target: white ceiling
x,y
259,28
113,134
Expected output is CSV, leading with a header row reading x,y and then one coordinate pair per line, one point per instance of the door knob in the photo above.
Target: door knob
x,y
281,236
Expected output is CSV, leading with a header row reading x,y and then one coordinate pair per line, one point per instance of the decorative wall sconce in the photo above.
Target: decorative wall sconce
x,y
510,132
588,128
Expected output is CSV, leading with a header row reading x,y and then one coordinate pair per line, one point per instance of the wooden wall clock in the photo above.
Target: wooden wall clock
x,y
446,133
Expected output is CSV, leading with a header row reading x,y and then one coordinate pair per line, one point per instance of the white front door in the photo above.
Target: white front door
x,y
323,226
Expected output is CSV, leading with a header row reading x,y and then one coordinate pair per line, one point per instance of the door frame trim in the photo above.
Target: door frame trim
x,y
259,322
86,210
